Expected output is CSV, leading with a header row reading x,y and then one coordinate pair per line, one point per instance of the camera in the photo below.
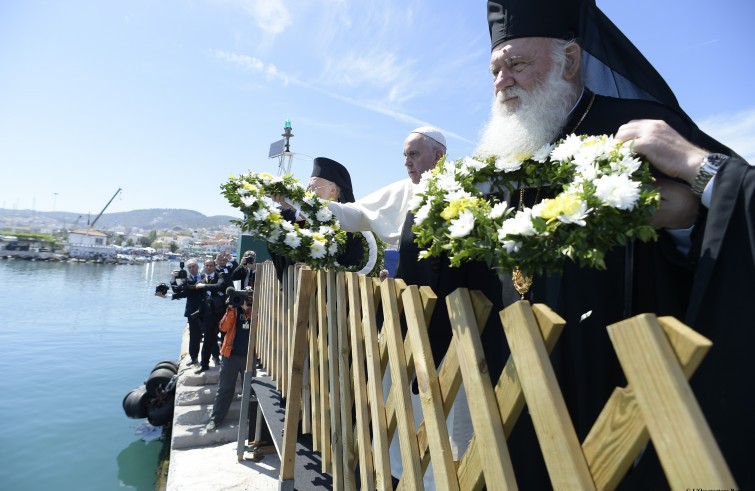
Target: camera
x,y
248,260
236,298
180,273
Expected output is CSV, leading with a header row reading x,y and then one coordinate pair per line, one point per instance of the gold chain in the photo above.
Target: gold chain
x,y
584,115
522,284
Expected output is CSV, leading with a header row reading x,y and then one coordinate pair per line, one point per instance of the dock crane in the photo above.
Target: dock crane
x,y
91,225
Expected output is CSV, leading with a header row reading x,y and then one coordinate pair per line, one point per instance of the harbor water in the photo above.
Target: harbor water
x,y
74,340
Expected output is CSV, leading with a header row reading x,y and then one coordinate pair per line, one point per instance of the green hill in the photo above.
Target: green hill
x,y
156,218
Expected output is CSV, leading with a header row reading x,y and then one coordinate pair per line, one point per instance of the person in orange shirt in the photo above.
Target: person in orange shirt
x,y
235,325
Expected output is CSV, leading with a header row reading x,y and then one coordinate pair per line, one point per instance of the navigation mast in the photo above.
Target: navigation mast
x,y
282,150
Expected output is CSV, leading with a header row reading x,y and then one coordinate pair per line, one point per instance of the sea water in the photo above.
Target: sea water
x,y
74,340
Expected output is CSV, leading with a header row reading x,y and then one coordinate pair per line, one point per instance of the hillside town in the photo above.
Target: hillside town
x,y
41,237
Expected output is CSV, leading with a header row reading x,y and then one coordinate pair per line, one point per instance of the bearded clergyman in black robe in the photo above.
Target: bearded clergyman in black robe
x,y
561,67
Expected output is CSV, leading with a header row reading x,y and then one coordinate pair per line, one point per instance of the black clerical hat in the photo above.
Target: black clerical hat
x,y
334,172
611,64
509,19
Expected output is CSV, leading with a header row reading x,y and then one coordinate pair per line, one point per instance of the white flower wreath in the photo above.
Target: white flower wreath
x,y
318,244
602,197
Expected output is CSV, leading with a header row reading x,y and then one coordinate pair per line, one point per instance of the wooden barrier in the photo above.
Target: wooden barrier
x,y
324,350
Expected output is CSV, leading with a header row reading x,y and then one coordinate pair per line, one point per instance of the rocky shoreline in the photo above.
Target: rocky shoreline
x,y
64,258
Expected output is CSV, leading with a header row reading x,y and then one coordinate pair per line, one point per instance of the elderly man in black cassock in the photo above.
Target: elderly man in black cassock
x,y
329,180
561,67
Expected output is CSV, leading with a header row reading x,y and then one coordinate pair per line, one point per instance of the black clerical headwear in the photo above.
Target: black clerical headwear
x,y
532,18
334,172
611,64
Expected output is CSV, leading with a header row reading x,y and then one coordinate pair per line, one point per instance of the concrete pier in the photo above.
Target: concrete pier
x,y
201,460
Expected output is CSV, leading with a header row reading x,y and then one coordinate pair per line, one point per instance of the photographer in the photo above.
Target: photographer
x,y
213,306
186,289
235,325
245,272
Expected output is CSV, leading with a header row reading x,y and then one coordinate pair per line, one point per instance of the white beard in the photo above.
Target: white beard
x,y
538,118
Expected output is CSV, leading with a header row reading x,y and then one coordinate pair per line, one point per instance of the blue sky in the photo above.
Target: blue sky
x,y
166,99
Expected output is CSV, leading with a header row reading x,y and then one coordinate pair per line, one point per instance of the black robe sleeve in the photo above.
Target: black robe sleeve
x,y
721,310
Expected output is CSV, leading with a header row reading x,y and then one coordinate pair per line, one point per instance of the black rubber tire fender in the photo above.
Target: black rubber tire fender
x,y
135,403
158,378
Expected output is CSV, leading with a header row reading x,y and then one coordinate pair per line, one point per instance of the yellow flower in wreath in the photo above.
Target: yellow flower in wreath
x,y
564,204
456,206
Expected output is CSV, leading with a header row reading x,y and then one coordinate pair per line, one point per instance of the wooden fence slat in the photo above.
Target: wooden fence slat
x,y
362,433
619,434
268,291
278,338
444,468
449,374
290,426
323,350
682,438
496,462
558,440
509,397
314,375
381,456
400,386
344,386
334,395
390,403
246,379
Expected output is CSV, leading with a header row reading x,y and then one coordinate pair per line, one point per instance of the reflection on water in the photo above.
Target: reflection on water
x,y
76,338
137,464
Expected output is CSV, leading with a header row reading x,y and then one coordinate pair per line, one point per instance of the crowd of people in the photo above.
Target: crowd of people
x,y
573,72
213,321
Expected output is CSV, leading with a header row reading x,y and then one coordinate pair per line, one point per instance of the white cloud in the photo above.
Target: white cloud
x,y
270,15
271,72
376,70
252,63
737,131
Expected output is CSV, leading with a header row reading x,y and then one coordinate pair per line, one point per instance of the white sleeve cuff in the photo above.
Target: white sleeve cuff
x,y
707,195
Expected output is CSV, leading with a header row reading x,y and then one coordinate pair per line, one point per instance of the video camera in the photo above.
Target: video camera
x,y
236,298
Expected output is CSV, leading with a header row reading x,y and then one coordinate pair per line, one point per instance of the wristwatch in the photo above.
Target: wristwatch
x,y
711,163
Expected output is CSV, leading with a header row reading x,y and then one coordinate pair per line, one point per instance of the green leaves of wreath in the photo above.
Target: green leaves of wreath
x,y
599,196
317,245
